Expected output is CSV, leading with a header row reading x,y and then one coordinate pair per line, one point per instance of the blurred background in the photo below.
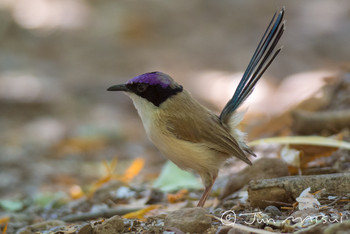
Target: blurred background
x,y
57,57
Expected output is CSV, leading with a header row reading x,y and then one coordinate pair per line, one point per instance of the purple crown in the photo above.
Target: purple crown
x,y
153,78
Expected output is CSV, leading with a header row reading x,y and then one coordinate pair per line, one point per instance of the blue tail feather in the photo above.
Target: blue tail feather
x,y
261,60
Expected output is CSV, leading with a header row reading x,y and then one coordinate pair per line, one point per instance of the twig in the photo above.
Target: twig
x,y
106,213
314,122
286,189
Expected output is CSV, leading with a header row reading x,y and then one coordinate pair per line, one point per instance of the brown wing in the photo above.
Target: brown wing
x,y
207,129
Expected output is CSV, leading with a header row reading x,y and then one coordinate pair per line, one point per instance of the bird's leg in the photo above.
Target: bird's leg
x,y
206,193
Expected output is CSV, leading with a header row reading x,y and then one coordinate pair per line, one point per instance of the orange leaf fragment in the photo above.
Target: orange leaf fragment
x,y
133,170
177,197
140,214
110,174
4,220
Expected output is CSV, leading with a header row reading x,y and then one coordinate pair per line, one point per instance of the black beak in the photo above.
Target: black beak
x,y
120,87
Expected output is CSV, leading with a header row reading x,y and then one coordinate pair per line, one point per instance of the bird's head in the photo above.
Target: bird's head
x,y
155,87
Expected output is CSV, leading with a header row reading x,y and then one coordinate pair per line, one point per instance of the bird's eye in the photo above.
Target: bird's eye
x,y
141,87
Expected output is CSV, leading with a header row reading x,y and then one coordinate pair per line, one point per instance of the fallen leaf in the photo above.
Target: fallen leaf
x,y
140,214
133,170
303,140
4,220
110,168
11,205
173,178
177,197
307,200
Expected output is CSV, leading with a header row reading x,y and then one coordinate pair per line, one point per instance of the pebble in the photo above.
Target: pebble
x,y
112,225
192,220
273,211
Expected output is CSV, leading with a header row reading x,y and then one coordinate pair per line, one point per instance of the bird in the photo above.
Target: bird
x,y
186,132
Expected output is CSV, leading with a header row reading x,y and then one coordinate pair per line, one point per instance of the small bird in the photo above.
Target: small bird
x,y
186,132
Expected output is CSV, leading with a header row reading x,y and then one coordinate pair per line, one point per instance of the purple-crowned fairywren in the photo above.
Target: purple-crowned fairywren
x,y
186,132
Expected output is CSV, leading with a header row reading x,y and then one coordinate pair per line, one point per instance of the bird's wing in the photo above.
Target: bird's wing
x,y
261,60
206,130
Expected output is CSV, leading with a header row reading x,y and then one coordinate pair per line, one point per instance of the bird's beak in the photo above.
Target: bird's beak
x,y
120,87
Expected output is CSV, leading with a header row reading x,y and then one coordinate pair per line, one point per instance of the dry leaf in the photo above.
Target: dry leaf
x,y
110,174
177,197
307,200
303,140
133,170
140,214
4,220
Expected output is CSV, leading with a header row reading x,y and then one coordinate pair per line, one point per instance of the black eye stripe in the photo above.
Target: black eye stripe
x,y
155,94
141,87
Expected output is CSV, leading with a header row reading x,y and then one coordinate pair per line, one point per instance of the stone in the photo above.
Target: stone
x,y
192,220
112,225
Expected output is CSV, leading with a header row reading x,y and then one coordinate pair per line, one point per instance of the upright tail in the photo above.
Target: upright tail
x,y
263,56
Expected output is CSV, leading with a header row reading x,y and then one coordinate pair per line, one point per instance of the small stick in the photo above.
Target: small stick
x,y
105,213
